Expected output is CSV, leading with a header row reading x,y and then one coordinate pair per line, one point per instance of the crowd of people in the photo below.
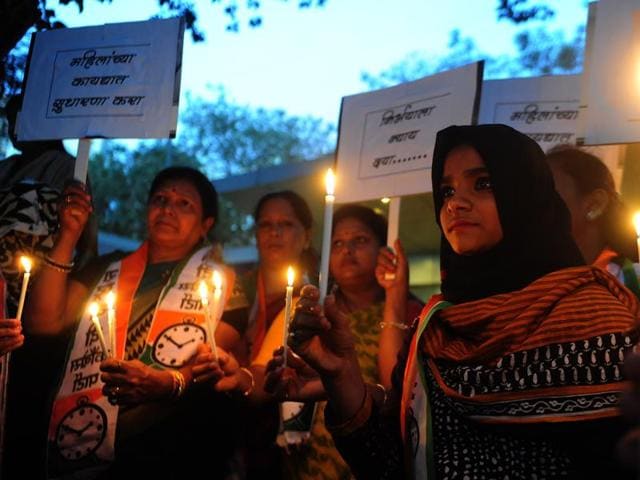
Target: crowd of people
x,y
515,370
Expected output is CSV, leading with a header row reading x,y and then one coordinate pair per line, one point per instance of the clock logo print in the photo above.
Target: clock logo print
x,y
177,343
81,431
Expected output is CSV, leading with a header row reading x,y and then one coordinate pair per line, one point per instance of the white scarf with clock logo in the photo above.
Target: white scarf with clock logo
x,y
82,428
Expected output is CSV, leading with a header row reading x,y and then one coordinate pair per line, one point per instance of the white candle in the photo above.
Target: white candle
x,y
636,223
216,278
287,311
93,311
26,265
204,298
110,300
329,200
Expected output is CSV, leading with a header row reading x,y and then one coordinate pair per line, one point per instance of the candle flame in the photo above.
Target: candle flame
x,y
204,291
94,309
636,222
110,298
217,280
26,263
330,182
290,276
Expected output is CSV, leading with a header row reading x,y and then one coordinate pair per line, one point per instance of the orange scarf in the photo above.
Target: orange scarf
x,y
574,326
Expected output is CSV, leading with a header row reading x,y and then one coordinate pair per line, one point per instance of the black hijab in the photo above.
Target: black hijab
x,y
535,221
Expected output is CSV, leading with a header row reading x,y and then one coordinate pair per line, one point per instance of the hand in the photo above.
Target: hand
x,y
204,367
74,208
297,382
322,338
133,382
224,374
11,336
395,264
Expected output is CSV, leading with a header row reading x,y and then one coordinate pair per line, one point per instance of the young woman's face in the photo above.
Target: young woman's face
x,y
280,236
469,215
174,215
354,253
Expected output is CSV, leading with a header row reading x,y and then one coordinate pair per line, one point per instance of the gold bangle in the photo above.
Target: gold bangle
x,y
401,326
179,384
253,382
384,392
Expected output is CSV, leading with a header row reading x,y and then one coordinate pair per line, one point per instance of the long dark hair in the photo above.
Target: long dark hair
x,y
589,173
309,257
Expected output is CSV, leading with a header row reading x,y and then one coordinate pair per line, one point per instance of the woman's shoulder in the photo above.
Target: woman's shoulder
x,y
91,272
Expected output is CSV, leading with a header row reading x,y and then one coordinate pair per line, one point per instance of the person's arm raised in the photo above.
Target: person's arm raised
x,y
393,326
55,301
324,341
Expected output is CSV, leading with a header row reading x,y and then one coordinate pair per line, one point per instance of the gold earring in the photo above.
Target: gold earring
x,y
593,214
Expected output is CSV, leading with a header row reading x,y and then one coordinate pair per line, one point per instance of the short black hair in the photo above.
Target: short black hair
x,y
374,221
298,204
206,190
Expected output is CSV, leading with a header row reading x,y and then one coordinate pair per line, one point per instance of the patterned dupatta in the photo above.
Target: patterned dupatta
x,y
83,422
551,352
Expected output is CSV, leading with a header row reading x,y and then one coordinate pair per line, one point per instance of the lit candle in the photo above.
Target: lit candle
x,y
216,278
636,223
204,298
93,311
110,300
287,311
329,199
26,265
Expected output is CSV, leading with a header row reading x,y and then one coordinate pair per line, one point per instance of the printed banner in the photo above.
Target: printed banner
x,y
386,139
112,81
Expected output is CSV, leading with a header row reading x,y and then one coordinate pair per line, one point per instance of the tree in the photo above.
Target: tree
x,y
18,17
539,53
221,138
233,139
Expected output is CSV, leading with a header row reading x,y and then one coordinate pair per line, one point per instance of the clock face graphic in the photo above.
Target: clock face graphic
x,y
81,431
177,343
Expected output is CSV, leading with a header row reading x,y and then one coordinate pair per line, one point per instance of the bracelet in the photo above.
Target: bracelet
x,y
253,382
384,392
399,325
179,384
356,421
60,267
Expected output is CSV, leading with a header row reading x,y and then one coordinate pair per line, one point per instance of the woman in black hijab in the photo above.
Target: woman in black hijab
x,y
513,370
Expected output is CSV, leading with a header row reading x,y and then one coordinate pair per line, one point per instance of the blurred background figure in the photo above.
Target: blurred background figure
x,y
600,222
283,228
30,186
31,182
379,311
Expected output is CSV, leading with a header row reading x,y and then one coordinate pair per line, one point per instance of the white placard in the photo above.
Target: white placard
x,y
111,81
547,109
611,97
544,108
386,140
